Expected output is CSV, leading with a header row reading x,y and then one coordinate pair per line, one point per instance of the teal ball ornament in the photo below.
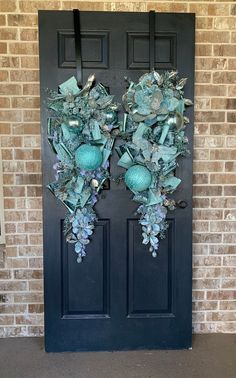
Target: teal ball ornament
x,y
88,157
138,178
111,116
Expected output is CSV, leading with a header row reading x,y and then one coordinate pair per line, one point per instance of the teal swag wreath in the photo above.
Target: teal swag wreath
x,y
154,137
82,132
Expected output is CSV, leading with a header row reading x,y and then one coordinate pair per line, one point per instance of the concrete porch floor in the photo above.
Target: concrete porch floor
x,y
212,355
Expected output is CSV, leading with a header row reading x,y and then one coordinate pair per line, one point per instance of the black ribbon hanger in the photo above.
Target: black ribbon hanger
x,y
78,56
152,40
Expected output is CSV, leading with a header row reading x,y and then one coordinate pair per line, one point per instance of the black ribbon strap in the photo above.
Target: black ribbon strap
x,y
78,57
152,40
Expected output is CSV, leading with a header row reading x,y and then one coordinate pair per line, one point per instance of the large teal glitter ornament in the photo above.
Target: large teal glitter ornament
x,y
88,157
138,178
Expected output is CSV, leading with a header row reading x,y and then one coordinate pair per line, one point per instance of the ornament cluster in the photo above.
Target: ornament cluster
x,y
81,132
153,133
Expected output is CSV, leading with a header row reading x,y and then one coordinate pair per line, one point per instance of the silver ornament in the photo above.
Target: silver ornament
x,y
94,183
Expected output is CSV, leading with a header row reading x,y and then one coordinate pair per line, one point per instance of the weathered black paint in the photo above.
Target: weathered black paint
x,y
119,297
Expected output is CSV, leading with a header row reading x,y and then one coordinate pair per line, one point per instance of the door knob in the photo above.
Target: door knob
x,y
182,204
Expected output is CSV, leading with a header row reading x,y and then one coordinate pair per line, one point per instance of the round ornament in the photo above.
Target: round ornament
x,y
138,178
88,157
111,116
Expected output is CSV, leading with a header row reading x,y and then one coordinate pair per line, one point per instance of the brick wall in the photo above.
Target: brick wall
x,y
21,291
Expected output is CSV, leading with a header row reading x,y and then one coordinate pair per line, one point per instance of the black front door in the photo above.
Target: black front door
x,y
120,297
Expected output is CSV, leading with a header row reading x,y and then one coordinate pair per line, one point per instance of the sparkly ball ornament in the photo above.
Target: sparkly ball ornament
x,y
111,116
88,157
138,178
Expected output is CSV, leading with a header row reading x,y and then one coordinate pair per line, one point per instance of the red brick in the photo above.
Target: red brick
x,y
227,154
27,274
24,75
29,62
210,90
25,102
8,34
214,116
31,89
28,250
208,214
22,20
6,320
5,129
29,319
207,191
203,49
3,49
229,260
230,190
23,48
26,179
201,202
206,283
29,34
13,285
8,6
10,116
220,178
28,297
26,129
36,308
207,238
12,308
224,50
2,20
206,261
33,6
205,305
224,77
31,116
223,203
208,166
10,89
11,141
212,36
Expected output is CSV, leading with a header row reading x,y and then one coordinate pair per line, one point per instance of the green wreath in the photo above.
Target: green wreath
x,y
81,133
154,137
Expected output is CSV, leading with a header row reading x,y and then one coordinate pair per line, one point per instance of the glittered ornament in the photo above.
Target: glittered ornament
x,y
111,116
138,178
88,157
176,120
94,183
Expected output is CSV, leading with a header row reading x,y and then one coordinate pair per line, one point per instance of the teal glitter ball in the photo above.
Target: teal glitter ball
x,y
138,178
88,157
111,116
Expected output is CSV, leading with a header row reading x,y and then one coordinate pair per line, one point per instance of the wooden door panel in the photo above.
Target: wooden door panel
x,y
94,49
119,297
138,50
86,290
149,294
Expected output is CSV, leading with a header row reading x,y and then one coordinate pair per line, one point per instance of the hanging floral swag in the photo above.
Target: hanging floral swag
x,y
154,137
81,132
